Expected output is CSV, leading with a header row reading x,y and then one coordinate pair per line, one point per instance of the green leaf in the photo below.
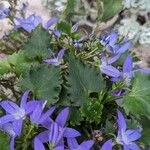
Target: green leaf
x,y
44,82
18,63
64,27
38,44
4,141
75,117
83,79
111,8
137,101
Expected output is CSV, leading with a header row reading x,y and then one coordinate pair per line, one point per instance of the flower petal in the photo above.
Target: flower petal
x,y
125,147
128,63
113,38
113,59
30,106
35,116
74,28
107,145
9,106
60,147
12,143
110,71
71,133
6,119
53,61
61,53
56,33
51,22
24,99
72,143
86,145
121,121
62,117
38,145
124,47
17,125
55,133
47,114
133,146
133,135
44,136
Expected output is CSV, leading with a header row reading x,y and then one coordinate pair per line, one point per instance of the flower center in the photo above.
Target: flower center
x,y
19,114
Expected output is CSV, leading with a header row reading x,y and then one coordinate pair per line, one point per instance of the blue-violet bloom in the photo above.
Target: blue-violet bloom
x,y
56,60
29,23
128,73
57,131
126,137
110,41
107,68
14,113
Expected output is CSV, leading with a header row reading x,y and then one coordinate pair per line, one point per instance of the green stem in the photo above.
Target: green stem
x,y
25,145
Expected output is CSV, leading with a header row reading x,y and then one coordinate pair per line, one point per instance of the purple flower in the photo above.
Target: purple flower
x,y
14,113
107,145
110,41
107,68
128,73
4,12
28,24
56,60
57,131
50,23
126,137
74,28
73,144
119,92
38,116
54,138
79,43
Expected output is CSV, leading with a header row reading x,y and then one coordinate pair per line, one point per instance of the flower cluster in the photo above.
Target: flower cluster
x,y
116,50
55,130
83,74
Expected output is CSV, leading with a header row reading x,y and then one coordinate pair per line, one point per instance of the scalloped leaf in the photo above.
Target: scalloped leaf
x,y
83,79
38,44
138,100
44,81
17,63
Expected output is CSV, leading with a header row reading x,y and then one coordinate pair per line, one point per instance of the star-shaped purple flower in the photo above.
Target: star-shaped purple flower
x,y
126,137
110,41
57,131
128,72
56,60
16,114
29,23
